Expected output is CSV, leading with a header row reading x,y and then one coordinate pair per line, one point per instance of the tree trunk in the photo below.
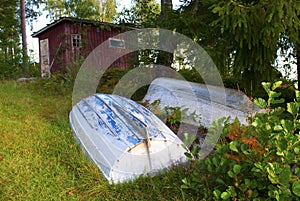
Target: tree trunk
x,y
24,38
196,6
101,10
165,6
298,64
165,58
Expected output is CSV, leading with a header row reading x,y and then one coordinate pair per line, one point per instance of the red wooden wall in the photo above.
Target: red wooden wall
x,y
64,56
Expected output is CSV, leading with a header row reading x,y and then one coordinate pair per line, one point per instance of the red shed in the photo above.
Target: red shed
x,y
69,40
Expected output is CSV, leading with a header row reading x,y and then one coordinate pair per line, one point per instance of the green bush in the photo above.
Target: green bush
x,y
110,78
256,162
174,117
191,75
9,70
59,84
63,82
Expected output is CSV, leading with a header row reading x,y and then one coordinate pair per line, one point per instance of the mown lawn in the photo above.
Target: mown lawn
x,y
39,159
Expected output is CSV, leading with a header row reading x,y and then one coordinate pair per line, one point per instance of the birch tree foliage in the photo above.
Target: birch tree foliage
x,y
81,9
100,10
143,13
109,11
55,8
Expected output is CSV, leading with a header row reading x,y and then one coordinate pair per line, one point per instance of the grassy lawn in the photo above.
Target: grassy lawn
x,y
39,159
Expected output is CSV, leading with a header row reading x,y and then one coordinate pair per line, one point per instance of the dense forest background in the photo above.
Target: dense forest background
x,y
243,37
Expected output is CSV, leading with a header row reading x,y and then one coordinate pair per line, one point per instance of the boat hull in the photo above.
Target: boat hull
x,y
124,139
210,102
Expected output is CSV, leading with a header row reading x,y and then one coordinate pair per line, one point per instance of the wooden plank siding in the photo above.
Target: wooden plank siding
x,y
63,55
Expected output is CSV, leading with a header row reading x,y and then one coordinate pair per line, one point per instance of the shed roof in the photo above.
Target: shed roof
x,y
71,19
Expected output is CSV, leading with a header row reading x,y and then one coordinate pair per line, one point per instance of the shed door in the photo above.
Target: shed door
x,y
45,60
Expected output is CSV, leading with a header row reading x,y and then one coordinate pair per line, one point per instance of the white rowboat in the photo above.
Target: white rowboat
x,y
123,138
210,102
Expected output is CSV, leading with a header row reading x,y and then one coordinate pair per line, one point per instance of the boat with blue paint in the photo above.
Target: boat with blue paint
x,y
123,138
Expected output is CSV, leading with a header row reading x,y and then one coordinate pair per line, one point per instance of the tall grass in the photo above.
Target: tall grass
x,y
39,159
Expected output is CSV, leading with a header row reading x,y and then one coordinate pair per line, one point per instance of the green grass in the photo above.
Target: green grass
x,y
39,159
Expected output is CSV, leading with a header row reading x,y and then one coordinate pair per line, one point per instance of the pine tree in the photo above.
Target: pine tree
x,y
9,38
241,36
253,29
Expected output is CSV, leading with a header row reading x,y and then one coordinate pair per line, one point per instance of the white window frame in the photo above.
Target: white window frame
x,y
76,40
116,40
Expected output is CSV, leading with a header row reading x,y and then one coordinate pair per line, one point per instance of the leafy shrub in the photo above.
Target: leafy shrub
x,y
174,116
58,84
256,162
33,69
110,78
170,115
191,75
231,82
140,93
9,70
62,82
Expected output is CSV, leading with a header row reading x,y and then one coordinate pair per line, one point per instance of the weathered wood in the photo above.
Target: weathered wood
x,y
63,54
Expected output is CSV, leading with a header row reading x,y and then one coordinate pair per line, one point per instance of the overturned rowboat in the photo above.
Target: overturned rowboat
x,y
123,138
210,102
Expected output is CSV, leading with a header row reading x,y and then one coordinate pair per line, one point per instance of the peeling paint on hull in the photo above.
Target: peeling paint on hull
x,y
124,139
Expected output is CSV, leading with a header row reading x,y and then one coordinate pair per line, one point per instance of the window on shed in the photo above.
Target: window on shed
x,y
76,40
118,43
